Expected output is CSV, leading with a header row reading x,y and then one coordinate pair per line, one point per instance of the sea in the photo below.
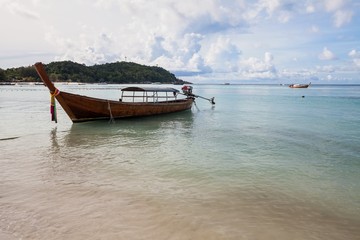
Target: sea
x,y
264,162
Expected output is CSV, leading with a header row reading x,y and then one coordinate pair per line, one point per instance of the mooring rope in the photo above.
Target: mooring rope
x,y
196,105
53,105
112,120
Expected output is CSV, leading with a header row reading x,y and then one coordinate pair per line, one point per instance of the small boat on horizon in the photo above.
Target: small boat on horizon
x,y
299,85
134,102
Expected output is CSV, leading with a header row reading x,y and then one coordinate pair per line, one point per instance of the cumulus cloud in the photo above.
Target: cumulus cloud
x,y
157,48
85,49
223,55
326,54
182,56
220,37
170,36
268,57
259,68
341,9
185,38
269,5
262,8
310,8
326,69
294,75
355,56
342,17
279,10
357,62
334,5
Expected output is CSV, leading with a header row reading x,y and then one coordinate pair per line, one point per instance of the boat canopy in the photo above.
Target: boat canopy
x,y
149,89
148,94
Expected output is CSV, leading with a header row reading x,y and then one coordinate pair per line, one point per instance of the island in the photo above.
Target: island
x,y
108,73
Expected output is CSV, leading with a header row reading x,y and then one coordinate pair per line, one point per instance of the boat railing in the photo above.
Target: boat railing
x,y
147,96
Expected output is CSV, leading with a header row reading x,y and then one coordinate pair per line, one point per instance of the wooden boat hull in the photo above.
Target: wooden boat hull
x,y
299,85
82,108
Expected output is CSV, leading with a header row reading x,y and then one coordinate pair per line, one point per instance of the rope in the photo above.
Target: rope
x,y
112,120
196,105
53,105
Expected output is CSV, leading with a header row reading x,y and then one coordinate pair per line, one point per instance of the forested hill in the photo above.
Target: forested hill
x,y
67,71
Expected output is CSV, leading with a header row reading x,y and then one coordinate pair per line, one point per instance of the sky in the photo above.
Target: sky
x,y
203,41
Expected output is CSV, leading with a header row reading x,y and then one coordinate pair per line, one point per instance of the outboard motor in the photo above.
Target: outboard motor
x,y
187,90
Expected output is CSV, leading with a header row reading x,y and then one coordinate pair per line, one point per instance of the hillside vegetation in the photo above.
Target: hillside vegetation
x,y
67,71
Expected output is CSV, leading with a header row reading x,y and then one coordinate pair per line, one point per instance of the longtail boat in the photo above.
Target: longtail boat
x,y
144,101
299,85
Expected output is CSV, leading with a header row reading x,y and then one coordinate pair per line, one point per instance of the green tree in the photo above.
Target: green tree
x,y
117,72
2,75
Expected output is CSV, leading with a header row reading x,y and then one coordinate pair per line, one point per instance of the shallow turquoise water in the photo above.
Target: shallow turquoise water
x,y
263,162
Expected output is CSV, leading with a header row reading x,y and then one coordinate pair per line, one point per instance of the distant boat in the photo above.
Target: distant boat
x,y
144,101
299,85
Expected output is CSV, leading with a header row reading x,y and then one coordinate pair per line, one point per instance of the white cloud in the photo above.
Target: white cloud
x,y
326,69
355,55
268,57
175,41
334,5
341,9
326,54
269,5
294,75
255,67
183,55
357,62
310,8
85,49
208,38
197,64
342,17
222,55
189,46
284,17
257,9
157,48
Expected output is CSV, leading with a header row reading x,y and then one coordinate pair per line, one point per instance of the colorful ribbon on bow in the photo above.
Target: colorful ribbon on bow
x,y
53,104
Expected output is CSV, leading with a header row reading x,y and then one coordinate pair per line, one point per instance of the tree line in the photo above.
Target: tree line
x,y
68,71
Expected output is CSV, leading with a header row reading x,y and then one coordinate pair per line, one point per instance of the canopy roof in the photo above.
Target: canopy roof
x,y
149,89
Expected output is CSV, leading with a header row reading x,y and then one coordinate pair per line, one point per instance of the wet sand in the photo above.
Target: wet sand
x,y
83,210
